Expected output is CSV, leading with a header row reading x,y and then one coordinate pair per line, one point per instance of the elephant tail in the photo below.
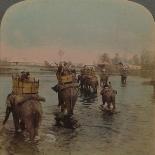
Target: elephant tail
x,y
36,119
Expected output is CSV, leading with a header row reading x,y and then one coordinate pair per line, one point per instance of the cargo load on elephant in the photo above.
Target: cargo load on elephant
x,y
88,71
66,76
24,84
87,79
65,79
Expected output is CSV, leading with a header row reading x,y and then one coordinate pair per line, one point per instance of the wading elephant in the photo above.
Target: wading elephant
x,y
67,97
81,81
123,79
91,83
26,111
108,96
124,74
103,79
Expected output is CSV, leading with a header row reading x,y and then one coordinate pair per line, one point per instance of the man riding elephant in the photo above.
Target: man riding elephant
x,y
123,73
67,89
24,104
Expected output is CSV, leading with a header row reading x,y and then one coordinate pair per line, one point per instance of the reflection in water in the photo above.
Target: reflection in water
x,y
87,98
131,131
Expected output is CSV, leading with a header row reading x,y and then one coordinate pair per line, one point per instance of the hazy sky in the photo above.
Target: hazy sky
x,y
36,29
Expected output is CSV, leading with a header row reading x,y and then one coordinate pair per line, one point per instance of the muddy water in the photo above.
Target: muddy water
x,y
128,132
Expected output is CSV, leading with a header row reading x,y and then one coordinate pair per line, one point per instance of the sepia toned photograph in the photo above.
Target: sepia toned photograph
x,y
77,77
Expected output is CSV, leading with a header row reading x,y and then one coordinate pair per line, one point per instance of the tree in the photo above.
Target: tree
x,y
105,58
116,59
136,59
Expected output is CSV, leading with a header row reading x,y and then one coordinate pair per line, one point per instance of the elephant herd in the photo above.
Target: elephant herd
x,y
27,109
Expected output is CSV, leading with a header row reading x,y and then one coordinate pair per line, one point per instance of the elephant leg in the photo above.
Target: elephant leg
x,y
22,125
63,107
69,106
16,121
100,82
113,104
96,89
30,128
106,80
73,105
122,79
81,85
108,105
32,134
103,100
36,131
59,100
7,113
125,79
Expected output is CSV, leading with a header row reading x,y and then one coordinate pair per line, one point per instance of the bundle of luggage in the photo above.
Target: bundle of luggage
x,y
66,77
24,84
88,71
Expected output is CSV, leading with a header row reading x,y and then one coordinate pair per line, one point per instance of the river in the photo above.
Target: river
x,y
128,132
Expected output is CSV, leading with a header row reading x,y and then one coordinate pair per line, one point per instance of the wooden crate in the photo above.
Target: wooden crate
x,y
30,86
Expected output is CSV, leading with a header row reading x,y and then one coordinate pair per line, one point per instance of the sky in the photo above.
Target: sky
x,y
35,30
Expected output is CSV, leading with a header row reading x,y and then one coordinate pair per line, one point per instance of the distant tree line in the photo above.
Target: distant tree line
x,y
146,59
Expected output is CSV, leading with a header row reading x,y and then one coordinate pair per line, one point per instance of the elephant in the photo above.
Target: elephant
x,y
88,82
26,111
67,96
123,79
103,79
81,81
108,96
91,82
124,74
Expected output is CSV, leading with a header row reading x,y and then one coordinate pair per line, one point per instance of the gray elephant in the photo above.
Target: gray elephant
x,y
67,96
123,78
26,111
103,80
108,96
124,74
91,83
81,81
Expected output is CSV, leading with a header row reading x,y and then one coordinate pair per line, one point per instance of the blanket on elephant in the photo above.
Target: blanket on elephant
x,y
68,85
18,99
60,87
106,90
